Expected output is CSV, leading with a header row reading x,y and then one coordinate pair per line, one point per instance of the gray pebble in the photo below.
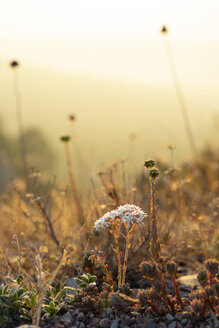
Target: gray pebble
x,y
149,324
172,324
169,317
80,316
109,311
105,323
115,324
184,321
81,325
66,317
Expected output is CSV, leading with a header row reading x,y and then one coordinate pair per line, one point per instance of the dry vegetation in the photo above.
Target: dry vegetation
x,y
48,236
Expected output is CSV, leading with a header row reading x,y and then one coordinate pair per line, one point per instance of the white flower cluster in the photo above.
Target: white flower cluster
x,y
126,214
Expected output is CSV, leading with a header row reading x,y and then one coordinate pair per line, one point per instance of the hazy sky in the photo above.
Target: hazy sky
x,y
106,61
115,39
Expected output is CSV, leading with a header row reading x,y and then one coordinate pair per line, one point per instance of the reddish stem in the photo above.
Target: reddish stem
x,y
176,288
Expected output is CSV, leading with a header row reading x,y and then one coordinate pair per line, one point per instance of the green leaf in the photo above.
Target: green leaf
x,y
84,278
14,297
20,279
33,300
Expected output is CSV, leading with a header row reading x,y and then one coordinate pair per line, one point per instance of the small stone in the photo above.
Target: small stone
x,y
115,324
81,325
184,321
109,311
80,316
27,326
172,324
169,317
126,321
190,280
112,316
178,325
73,286
139,319
162,325
105,323
66,317
68,324
149,324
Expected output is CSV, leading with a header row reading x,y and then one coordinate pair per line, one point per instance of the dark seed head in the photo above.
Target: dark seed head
x,y
72,117
14,63
171,268
149,163
65,138
154,173
212,266
164,29
202,278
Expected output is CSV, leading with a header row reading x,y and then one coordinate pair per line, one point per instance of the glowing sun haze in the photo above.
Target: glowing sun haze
x,y
113,39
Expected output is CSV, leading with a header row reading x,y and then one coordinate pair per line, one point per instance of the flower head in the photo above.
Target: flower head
x,y
126,214
14,64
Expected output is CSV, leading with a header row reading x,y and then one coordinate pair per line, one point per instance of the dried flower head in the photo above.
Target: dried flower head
x,y
149,163
71,117
14,64
212,266
164,29
197,306
202,278
154,173
65,138
171,268
149,270
126,214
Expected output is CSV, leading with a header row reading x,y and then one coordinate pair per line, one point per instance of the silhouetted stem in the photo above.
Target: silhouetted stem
x,y
181,100
20,124
73,184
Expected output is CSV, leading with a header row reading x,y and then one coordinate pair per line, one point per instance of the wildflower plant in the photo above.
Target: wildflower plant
x,y
125,217
158,265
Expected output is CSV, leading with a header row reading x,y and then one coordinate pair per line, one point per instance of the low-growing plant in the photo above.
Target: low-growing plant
x,y
124,218
207,299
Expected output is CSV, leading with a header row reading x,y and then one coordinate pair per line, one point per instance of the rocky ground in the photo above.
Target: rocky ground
x,y
75,318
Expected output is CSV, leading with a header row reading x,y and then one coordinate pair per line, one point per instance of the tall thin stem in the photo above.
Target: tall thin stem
x,y
73,184
20,123
180,98
116,237
126,256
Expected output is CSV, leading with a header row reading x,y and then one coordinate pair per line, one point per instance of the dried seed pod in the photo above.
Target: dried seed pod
x,y
154,173
164,30
65,138
149,163
197,306
202,278
171,268
212,266
14,64
149,270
